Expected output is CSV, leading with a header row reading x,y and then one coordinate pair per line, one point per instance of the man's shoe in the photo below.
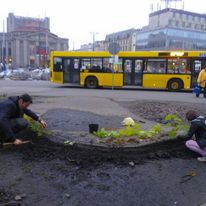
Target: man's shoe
x,y
201,159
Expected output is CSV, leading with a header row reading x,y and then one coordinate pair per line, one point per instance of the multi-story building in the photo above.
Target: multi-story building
x,y
99,46
125,39
28,41
86,47
172,29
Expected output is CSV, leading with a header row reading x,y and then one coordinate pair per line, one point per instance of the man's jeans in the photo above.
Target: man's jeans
x,y
17,125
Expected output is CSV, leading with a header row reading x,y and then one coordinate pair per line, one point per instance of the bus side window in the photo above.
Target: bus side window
x,y
107,65
162,68
88,66
176,66
83,67
57,64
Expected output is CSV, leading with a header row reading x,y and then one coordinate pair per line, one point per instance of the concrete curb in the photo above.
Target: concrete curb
x,y
150,147
164,144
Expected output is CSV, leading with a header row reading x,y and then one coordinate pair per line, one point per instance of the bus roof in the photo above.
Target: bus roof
x,y
177,53
81,53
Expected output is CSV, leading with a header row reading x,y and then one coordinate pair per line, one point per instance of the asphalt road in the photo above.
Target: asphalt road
x,y
44,88
99,101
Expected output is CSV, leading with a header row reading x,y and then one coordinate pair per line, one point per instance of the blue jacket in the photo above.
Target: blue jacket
x,y
9,109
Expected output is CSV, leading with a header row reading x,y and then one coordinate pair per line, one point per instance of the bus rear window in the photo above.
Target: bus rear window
x,y
57,64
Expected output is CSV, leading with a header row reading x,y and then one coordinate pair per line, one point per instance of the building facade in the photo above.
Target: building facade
x,y
98,46
28,42
172,29
126,39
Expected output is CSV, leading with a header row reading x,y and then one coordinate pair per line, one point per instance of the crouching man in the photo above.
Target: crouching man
x,y
11,118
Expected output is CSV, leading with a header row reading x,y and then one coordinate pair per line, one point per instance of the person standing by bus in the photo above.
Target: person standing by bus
x,y
201,80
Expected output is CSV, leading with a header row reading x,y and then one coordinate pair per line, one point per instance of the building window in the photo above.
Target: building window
x,y
180,16
9,51
177,23
189,25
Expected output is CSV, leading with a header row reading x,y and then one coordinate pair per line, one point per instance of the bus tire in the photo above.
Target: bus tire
x,y
175,85
91,82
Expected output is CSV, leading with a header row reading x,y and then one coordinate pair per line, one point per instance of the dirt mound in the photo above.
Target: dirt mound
x,y
157,111
45,150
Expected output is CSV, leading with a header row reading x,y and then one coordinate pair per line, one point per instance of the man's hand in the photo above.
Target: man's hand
x,y
18,142
43,123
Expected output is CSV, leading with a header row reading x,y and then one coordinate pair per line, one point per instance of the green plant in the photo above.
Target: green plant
x,y
113,134
177,123
155,130
130,131
34,126
101,133
173,120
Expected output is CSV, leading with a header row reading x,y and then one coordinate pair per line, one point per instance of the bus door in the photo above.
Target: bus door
x,y
196,67
71,70
133,70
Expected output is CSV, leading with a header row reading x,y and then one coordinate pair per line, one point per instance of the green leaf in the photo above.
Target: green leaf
x,y
101,133
34,126
156,129
122,132
172,133
114,134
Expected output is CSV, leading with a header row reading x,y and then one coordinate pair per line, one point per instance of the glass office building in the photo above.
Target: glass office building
x,y
172,29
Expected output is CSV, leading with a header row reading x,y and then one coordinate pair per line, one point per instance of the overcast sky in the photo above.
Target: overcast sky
x,y
75,19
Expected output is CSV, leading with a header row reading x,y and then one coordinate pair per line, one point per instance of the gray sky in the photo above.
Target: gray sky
x,y
75,19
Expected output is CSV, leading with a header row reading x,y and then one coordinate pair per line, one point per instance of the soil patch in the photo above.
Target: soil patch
x,y
157,111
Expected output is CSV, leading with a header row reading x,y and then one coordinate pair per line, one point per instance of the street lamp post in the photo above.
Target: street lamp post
x,y
3,49
93,37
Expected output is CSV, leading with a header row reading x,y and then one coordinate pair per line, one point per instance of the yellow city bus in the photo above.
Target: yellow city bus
x,y
172,70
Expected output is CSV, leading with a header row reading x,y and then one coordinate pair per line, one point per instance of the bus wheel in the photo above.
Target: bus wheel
x,y
175,85
91,82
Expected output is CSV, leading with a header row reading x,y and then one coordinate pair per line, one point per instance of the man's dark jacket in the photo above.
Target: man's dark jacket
x,y
198,128
9,110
